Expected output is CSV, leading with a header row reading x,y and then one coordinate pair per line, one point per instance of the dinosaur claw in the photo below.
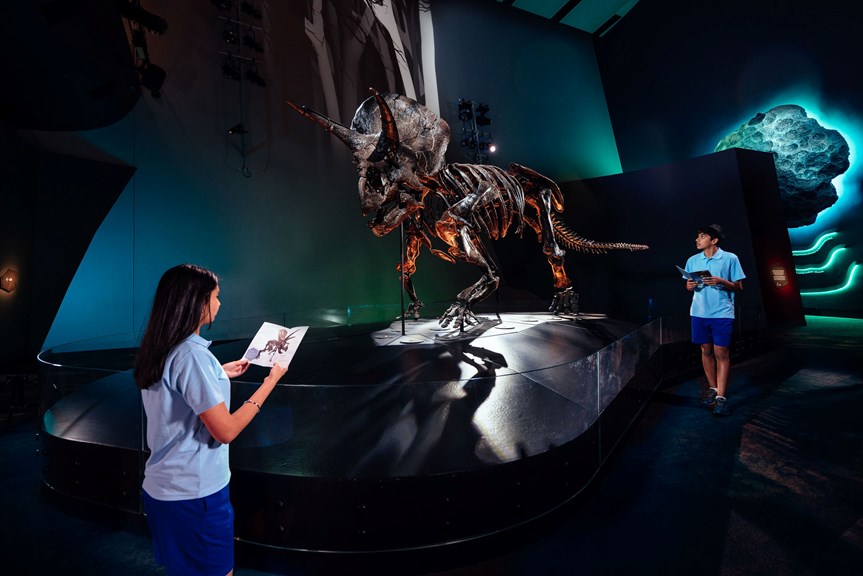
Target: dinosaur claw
x,y
413,310
565,301
459,315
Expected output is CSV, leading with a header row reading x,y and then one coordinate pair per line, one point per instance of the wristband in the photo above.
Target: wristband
x,y
253,403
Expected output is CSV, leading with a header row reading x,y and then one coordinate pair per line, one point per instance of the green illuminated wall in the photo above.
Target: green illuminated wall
x,y
825,266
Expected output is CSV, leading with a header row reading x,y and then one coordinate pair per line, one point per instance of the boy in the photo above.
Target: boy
x,y
712,310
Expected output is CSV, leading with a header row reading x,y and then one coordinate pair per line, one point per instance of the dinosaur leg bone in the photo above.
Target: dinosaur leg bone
x,y
412,250
471,251
550,248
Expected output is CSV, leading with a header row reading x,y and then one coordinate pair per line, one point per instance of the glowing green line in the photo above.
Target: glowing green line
x,y
818,269
852,271
817,246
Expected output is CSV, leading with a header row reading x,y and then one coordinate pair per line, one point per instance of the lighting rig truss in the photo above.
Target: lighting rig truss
x,y
241,37
475,134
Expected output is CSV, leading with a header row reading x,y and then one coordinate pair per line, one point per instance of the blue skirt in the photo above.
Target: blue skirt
x,y
193,537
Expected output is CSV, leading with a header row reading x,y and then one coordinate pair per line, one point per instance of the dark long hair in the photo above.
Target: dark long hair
x,y
181,297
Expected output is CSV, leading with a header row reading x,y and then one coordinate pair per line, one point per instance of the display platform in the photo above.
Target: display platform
x,y
378,439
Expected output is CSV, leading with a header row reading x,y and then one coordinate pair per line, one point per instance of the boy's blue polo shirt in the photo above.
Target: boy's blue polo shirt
x,y
186,462
714,301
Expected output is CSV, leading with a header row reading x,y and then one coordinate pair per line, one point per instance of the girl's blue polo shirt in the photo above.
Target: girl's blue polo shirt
x,y
185,461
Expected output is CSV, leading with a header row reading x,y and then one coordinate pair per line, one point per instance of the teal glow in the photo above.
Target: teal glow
x,y
542,7
834,325
817,246
849,281
819,269
851,128
847,124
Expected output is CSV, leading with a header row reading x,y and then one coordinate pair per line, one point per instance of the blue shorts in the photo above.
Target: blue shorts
x,y
716,331
193,537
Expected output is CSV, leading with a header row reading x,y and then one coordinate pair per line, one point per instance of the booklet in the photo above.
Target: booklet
x,y
274,344
694,276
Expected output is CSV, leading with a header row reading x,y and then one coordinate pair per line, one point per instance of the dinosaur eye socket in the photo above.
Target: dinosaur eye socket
x,y
373,179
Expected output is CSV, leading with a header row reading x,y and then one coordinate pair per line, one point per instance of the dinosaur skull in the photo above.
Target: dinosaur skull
x,y
409,144
396,143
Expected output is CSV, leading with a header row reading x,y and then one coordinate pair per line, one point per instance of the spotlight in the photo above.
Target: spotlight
x,y
486,142
152,78
481,112
465,110
252,42
249,8
236,129
229,35
229,70
255,78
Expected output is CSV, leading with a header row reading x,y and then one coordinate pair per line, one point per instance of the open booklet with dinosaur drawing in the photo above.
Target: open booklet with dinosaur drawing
x,y
274,344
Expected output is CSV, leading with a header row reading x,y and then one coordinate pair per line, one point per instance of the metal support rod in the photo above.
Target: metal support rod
x,y
402,272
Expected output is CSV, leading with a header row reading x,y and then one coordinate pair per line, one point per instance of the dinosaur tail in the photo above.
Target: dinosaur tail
x,y
572,241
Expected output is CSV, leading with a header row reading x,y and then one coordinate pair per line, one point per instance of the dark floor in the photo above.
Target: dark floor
x,y
777,488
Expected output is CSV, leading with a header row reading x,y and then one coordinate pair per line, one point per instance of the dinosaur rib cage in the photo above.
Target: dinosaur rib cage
x,y
493,199
572,241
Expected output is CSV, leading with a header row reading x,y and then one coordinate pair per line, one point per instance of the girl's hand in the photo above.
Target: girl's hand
x,y
236,368
276,372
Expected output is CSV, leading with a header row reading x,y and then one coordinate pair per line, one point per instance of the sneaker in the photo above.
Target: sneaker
x,y
710,399
721,407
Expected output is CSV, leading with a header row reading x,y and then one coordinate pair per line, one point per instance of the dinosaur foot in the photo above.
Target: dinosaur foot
x,y
565,302
459,316
413,310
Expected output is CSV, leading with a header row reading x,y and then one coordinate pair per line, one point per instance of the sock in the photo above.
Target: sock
x,y
718,397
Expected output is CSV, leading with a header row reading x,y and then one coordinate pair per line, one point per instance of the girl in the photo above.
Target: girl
x,y
186,395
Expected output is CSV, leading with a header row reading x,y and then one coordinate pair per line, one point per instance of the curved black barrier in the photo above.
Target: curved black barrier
x,y
378,440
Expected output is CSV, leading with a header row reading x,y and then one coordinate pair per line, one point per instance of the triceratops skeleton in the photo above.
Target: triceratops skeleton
x,y
399,148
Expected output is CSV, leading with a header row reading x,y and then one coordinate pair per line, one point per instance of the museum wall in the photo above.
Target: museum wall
x,y
540,80
680,76
653,206
51,204
273,209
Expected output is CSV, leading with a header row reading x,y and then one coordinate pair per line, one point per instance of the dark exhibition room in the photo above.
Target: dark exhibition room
x,y
431,287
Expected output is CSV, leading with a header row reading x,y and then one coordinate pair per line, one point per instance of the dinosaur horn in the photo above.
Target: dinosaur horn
x,y
389,137
351,138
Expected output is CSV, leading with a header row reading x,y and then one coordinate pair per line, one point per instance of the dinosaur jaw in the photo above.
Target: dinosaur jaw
x,y
373,192
384,217
391,214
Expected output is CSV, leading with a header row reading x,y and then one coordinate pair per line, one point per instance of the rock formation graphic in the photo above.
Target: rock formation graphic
x,y
808,157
